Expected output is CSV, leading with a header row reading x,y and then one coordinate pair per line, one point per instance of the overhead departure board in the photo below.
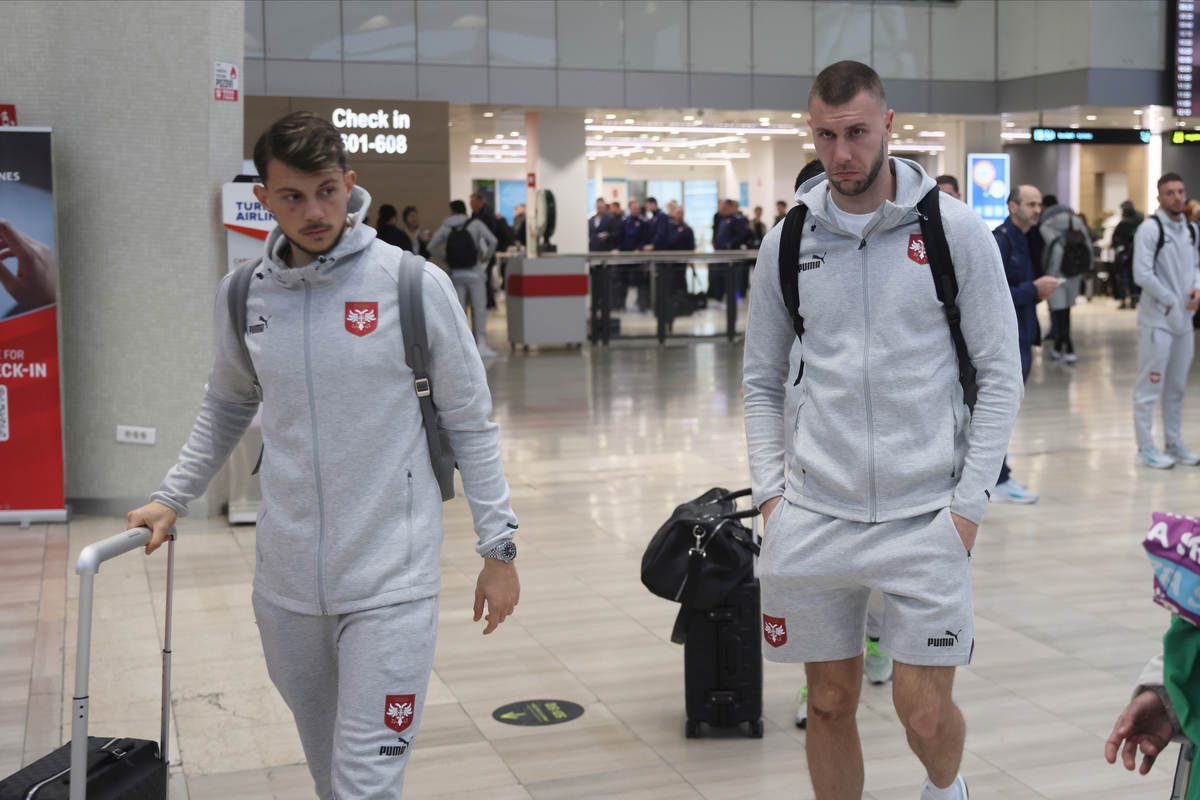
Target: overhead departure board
x,y
1183,33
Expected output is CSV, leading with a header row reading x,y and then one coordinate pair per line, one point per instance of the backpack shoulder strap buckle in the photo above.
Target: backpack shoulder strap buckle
x,y
423,387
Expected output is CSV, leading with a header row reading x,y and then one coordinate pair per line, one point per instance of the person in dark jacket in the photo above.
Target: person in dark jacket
x,y
518,225
1122,243
679,236
482,210
1027,290
411,229
728,234
656,226
756,229
633,237
602,229
386,230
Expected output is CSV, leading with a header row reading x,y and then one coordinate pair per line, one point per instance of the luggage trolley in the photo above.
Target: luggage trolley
x,y
1183,769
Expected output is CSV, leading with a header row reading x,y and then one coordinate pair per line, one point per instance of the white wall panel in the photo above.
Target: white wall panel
x,y
783,37
379,30
1016,54
719,34
312,29
522,34
963,41
656,35
900,41
1063,40
842,32
590,34
1129,35
452,33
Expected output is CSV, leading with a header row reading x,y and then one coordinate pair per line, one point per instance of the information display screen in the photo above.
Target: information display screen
x,y
1184,30
1089,136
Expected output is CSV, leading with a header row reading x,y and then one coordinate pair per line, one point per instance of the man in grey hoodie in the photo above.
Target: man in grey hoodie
x,y
890,476
469,281
349,530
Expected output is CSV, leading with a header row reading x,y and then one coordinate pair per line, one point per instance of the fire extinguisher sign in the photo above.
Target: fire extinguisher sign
x,y
225,81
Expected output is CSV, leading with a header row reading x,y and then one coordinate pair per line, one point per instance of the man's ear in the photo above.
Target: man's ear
x,y
351,180
260,192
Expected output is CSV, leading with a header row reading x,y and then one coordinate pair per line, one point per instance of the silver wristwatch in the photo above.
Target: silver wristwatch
x,y
505,551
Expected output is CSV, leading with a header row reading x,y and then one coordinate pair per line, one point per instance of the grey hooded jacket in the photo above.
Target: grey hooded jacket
x,y
1166,280
1053,225
351,516
882,432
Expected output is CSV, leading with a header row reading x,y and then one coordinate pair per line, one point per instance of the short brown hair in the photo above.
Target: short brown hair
x,y
303,141
1168,178
840,83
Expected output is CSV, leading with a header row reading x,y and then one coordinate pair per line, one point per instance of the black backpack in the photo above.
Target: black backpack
x,y
461,251
1162,240
1076,251
416,354
940,265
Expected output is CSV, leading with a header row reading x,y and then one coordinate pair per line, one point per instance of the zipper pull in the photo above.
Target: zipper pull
x,y
862,244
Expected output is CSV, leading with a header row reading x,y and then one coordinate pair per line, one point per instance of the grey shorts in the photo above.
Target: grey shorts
x,y
817,573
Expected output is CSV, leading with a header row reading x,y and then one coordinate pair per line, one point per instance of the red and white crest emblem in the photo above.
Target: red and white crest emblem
x,y
1155,377
361,318
916,249
398,711
775,630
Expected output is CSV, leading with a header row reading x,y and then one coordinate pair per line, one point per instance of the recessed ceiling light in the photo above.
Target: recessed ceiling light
x,y
765,120
1137,111
488,114
1074,124
515,133
1160,119
628,122
895,136
608,130
688,118
909,127
587,121
644,136
610,116
649,149
499,135
503,147
766,138
1010,124
1137,127
599,136
797,116
1091,117
932,133
804,133
655,138
479,141
666,149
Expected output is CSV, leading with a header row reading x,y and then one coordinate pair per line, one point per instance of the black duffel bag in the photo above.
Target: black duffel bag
x,y
701,554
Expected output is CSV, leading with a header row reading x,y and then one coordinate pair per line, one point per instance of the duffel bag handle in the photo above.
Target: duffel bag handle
x,y
753,512
734,495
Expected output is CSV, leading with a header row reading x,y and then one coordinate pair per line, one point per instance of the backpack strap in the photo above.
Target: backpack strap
x,y
789,271
239,292
416,355
937,250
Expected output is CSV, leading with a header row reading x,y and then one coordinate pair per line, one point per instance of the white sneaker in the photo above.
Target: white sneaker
x,y
802,707
1182,455
1153,457
877,665
484,350
1012,492
1070,358
1055,355
931,792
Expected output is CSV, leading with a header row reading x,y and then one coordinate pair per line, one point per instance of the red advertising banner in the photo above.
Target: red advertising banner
x,y
31,449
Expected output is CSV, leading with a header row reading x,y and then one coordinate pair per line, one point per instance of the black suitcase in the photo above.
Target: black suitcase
x,y
116,768
722,663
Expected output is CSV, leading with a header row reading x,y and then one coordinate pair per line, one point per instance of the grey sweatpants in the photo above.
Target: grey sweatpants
x,y
356,685
1163,363
470,282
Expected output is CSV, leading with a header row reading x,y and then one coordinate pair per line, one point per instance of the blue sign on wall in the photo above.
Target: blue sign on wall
x,y
988,184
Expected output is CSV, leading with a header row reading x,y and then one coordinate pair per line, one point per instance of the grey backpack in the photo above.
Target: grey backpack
x,y
416,355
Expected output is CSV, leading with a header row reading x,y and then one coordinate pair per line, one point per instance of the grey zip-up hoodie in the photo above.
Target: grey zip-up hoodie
x,y
882,432
1165,280
351,516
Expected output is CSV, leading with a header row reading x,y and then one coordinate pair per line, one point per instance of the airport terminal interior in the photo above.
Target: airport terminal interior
x,y
127,170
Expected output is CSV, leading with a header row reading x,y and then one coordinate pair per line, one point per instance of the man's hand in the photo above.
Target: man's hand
x,y
1143,724
158,518
499,585
1046,285
767,507
36,280
967,530
1193,302
647,247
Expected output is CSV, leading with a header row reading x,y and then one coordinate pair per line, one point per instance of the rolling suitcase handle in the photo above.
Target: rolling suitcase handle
x,y
86,568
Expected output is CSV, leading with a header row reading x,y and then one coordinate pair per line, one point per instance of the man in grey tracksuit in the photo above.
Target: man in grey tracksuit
x,y
1170,281
349,530
891,473
469,282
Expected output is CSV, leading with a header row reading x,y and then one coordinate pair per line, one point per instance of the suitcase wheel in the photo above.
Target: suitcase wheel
x,y
756,729
693,729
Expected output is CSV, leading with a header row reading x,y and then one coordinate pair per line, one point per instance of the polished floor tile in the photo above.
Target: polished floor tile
x,y
600,444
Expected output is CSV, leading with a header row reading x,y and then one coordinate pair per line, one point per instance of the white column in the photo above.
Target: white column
x,y
562,168
531,166
1075,155
1154,170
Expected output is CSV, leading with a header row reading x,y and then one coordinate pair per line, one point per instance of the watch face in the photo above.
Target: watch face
x,y
508,551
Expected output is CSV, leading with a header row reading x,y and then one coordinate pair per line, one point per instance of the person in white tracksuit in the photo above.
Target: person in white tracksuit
x,y
1166,264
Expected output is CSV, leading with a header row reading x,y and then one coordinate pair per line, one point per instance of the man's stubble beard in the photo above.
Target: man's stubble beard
x,y
860,187
316,253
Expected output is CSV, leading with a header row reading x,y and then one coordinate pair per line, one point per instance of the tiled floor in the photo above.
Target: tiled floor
x,y
599,446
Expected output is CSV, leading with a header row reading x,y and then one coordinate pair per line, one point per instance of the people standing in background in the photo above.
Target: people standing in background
x,y
672,204
386,230
679,237
729,233
949,185
633,237
1027,290
518,225
1166,264
482,210
656,226
1122,244
781,209
1056,225
412,228
602,229
466,245
756,229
